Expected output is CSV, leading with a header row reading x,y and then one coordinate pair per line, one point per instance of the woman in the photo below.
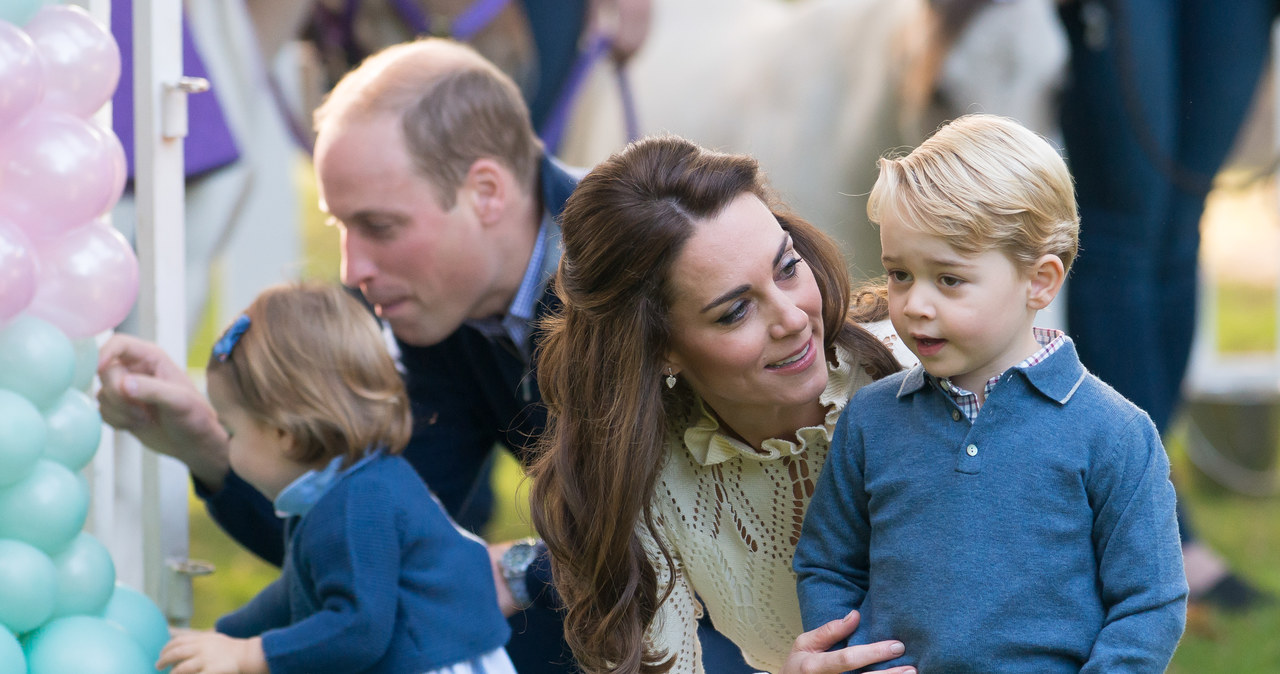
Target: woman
x,y
693,377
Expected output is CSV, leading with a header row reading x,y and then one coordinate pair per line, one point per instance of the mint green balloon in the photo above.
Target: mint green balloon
x,y
74,430
28,587
47,509
84,645
86,577
140,617
18,12
86,350
12,658
37,360
22,437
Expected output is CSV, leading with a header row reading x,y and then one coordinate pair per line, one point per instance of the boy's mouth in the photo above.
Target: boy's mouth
x,y
927,346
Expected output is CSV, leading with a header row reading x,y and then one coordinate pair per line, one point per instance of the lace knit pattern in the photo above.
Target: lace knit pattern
x,y
731,517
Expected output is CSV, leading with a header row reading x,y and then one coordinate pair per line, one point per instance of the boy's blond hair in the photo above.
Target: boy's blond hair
x,y
313,363
454,107
984,182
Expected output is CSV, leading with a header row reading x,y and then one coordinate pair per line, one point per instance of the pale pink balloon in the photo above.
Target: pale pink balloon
x,y
82,60
17,271
88,280
57,171
21,71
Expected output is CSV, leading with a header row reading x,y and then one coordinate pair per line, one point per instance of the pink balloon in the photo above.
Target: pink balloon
x,y
88,280
82,60
22,72
17,271
58,171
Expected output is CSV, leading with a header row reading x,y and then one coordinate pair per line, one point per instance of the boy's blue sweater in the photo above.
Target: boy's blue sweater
x,y
376,579
1041,538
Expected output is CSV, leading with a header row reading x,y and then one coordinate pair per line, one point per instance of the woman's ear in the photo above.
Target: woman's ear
x,y
1046,276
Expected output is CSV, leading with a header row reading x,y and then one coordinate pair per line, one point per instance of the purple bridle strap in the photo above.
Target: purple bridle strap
x,y
463,27
553,129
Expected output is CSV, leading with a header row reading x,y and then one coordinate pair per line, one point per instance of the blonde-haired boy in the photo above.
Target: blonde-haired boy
x,y
997,508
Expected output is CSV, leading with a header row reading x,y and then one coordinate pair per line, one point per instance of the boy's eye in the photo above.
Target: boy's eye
x,y
950,281
899,276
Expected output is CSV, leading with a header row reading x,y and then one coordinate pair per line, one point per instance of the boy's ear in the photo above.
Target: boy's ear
x,y
1046,275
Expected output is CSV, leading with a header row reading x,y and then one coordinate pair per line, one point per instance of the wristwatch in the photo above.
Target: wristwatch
x,y
515,564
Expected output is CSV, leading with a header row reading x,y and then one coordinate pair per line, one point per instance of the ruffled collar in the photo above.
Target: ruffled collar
x,y
710,446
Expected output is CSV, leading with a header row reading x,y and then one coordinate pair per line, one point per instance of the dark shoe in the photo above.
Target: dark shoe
x,y
1233,595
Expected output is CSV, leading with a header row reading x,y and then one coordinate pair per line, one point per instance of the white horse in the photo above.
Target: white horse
x,y
818,89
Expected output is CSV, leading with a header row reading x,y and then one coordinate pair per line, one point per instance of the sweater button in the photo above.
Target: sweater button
x,y
971,450
955,415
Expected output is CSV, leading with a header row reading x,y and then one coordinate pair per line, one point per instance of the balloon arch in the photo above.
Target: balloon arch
x,y
66,275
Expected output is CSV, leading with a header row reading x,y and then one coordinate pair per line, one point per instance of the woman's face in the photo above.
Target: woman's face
x,y
746,315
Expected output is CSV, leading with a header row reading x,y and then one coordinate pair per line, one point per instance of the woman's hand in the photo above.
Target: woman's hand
x,y
809,654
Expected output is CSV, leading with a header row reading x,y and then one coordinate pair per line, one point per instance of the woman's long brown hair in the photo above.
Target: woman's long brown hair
x,y
600,372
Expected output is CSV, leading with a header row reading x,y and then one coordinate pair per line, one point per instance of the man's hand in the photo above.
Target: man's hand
x,y
145,393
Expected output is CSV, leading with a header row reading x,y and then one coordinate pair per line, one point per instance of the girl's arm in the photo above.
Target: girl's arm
x,y
193,652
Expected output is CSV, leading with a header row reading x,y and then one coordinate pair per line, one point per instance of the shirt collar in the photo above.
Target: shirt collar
x,y
516,323
1055,371
307,490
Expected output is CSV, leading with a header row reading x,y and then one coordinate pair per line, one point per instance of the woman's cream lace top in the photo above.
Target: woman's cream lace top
x,y
730,516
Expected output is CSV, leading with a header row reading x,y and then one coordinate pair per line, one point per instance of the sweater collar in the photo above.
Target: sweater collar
x,y
709,446
1056,377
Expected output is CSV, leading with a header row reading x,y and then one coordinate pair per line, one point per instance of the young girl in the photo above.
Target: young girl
x,y
376,577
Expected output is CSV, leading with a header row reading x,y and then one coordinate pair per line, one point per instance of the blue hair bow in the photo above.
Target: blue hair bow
x,y
222,348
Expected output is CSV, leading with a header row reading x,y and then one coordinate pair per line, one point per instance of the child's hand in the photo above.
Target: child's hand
x,y
194,652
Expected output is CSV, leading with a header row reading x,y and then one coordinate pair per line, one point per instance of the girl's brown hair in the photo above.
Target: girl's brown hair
x,y
600,370
313,363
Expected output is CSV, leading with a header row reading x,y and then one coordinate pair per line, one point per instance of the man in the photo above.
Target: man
x,y
446,205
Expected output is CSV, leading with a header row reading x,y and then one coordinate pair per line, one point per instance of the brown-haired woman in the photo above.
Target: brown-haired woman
x,y
703,353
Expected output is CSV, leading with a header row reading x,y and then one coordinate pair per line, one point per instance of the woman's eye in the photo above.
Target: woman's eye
x,y
735,313
789,267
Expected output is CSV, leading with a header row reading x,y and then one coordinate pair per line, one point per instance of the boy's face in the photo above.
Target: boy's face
x,y
966,317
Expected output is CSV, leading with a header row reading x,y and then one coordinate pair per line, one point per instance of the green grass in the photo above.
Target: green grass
x,y
1246,318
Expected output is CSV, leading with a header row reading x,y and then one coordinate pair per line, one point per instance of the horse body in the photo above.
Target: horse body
x,y
816,90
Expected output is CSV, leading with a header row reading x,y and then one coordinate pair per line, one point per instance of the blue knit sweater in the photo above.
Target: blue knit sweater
x,y
376,579
1040,538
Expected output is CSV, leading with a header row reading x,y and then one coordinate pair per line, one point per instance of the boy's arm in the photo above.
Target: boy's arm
x,y
831,561
1143,586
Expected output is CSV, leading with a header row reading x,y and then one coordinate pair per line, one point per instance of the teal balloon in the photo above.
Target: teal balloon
x,y
37,360
47,509
18,12
12,658
74,430
22,437
28,587
86,577
86,350
140,617
84,645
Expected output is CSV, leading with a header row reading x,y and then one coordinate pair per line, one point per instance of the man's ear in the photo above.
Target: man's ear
x,y
1046,275
486,189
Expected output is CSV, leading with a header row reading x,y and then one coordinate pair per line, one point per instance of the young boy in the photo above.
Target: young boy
x,y
998,508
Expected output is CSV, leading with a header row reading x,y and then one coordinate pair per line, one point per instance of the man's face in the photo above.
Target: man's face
x,y
425,269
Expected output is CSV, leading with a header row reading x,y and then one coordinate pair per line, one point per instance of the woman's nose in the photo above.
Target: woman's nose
x,y
790,319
